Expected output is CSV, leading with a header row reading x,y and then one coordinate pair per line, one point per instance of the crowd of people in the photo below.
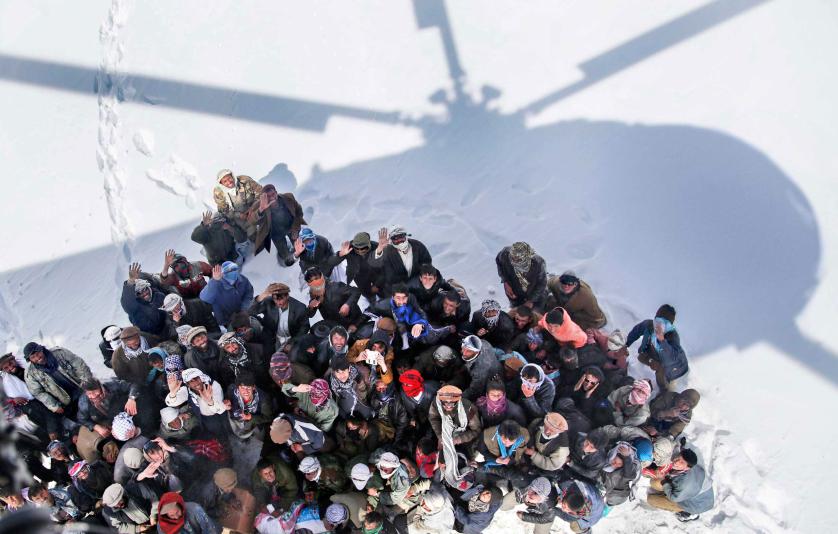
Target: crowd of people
x,y
404,408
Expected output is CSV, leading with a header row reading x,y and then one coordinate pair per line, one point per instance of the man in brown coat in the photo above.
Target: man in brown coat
x,y
272,218
235,507
578,299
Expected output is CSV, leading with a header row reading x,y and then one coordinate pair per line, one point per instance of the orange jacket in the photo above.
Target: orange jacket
x,y
567,332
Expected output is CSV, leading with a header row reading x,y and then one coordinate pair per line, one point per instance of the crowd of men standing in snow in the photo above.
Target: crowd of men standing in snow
x,y
421,413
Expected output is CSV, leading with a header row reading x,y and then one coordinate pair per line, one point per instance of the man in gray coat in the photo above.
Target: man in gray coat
x,y
482,365
55,376
687,490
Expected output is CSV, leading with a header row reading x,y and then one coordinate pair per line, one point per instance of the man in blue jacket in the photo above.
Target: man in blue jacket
x,y
142,303
660,348
580,504
228,292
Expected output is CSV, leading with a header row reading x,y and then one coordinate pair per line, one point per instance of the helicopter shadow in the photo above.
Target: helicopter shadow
x,y
647,214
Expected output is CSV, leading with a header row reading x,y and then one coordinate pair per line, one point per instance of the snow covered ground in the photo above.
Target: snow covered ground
x,y
666,151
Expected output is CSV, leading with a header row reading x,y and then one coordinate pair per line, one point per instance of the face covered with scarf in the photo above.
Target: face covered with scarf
x,y
495,402
319,393
520,256
309,239
490,310
230,272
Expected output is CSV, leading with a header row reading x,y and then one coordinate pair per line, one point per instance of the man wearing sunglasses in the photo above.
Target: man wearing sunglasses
x,y
398,256
356,254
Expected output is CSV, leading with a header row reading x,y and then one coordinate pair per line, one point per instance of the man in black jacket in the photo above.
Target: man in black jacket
x,y
282,316
337,302
192,312
356,254
216,236
523,274
399,257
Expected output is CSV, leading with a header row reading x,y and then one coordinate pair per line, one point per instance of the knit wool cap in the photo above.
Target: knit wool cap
x,y
280,430
361,240
222,173
194,331
556,421
133,458
128,332
449,393
310,464
360,475
171,302
112,495
226,479
337,513
541,486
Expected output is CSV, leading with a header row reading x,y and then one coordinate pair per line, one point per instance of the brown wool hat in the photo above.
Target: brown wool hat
x,y
556,421
513,363
129,332
449,393
225,479
194,331
280,430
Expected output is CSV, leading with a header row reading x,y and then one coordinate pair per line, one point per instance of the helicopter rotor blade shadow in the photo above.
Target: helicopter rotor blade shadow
x,y
645,46
188,96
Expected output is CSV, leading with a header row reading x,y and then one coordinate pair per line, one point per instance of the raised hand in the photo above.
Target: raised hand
x,y
168,259
134,272
206,219
217,273
345,248
298,247
206,394
383,239
173,383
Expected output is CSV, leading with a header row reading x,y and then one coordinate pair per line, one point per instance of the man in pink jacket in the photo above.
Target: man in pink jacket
x,y
559,324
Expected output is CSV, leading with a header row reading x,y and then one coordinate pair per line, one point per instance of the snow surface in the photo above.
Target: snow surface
x,y
680,152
